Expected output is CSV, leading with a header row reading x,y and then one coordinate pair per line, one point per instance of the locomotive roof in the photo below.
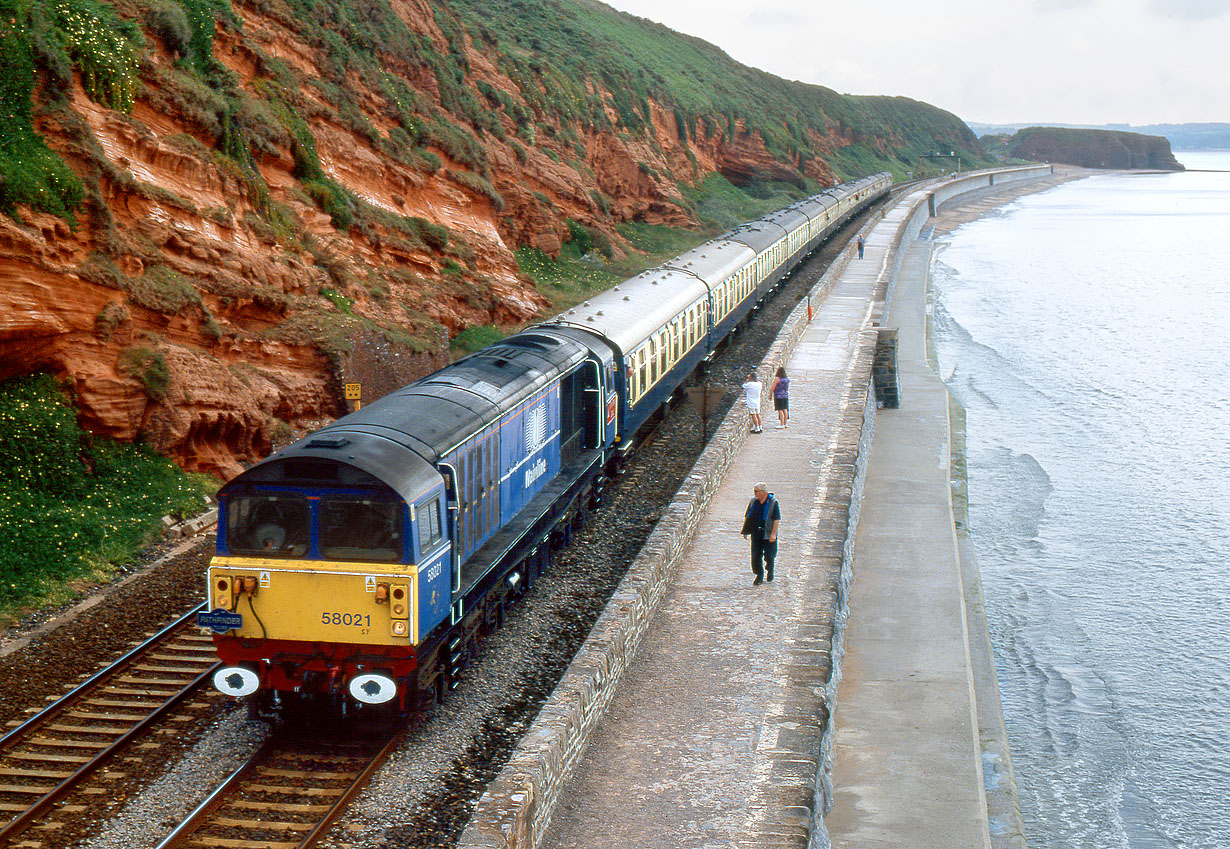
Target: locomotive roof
x,y
631,312
399,438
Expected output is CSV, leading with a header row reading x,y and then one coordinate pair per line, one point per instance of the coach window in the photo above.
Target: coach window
x,y
643,372
663,352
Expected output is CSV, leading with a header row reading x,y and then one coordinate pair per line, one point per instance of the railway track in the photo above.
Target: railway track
x,y
66,745
286,796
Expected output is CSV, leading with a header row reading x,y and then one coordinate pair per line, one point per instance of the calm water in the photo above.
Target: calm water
x,y
1087,332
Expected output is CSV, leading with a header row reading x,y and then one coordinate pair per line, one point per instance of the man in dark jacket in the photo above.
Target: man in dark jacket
x,y
760,523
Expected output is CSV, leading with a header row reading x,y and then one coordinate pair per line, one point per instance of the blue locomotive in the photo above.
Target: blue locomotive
x,y
366,561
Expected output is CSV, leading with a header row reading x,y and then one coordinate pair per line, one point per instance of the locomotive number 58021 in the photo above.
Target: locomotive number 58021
x,y
356,619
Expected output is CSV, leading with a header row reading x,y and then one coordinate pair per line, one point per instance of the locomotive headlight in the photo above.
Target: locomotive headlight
x,y
398,627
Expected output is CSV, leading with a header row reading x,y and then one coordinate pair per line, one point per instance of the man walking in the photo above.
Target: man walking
x,y
760,523
861,244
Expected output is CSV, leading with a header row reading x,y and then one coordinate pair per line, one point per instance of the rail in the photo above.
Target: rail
x,y
250,809
97,719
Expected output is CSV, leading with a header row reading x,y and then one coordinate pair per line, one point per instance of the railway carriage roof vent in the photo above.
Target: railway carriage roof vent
x,y
329,442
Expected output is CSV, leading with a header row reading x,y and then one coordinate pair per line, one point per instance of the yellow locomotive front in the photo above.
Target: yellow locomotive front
x,y
326,579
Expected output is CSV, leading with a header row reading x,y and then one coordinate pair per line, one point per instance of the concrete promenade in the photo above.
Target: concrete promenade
x,y
907,768
698,714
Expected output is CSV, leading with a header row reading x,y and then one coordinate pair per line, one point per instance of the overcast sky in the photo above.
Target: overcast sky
x,y
1028,61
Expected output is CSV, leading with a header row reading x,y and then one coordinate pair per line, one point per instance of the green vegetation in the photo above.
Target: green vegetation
x,y
720,204
1092,148
30,173
474,339
74,507
585,267
567,279
565,53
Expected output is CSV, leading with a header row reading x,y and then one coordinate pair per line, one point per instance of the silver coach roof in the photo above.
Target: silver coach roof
x,y
713,261
631,312
759,235
791,218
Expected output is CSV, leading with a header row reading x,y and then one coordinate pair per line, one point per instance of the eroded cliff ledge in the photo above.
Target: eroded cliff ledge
x,y
269,212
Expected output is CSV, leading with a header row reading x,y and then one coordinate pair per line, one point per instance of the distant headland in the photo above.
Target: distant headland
x,y
1211,136
1086,148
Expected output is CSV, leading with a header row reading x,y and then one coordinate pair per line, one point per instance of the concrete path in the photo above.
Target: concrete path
x,y
907,765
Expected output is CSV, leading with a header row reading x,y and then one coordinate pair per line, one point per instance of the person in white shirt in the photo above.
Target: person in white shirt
x,y
751,397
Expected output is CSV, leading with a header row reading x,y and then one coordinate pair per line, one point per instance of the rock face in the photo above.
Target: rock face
x,y
246,249
1094,148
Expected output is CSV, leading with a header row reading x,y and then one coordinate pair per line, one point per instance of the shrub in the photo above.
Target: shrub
x,y
103,48
474,339
169,23
164,290
72,505
478,185
110,318
148,366
579,237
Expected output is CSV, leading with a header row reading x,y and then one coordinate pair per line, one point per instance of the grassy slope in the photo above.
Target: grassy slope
x,y
636,58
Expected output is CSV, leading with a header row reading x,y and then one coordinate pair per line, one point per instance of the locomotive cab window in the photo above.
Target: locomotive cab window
x,y
358,529
268,525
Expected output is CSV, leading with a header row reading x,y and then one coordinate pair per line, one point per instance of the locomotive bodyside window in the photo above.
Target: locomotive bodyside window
x,y
430,527
268,525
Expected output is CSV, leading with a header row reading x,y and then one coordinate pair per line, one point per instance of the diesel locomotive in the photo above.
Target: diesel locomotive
x,y
364,563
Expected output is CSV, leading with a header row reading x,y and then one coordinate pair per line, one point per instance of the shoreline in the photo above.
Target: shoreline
x,y
920,749
1005,823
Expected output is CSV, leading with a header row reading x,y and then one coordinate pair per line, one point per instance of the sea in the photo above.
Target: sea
x,y
1086,331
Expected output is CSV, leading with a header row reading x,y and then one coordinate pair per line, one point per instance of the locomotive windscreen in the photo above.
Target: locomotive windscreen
x,y
268,525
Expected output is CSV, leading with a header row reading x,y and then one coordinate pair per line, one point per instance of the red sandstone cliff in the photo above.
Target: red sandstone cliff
x,y
181,311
